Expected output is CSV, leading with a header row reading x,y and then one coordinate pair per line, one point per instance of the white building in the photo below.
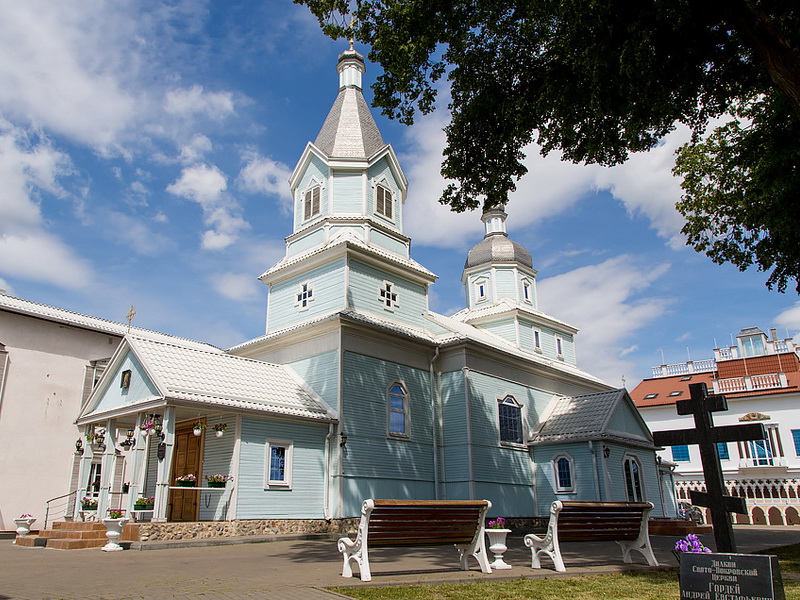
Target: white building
x,y
760,377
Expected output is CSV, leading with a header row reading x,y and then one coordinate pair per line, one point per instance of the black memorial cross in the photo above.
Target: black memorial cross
x,y
706,436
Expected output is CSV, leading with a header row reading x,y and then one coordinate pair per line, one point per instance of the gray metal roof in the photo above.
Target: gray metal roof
x,y
349,130
497,247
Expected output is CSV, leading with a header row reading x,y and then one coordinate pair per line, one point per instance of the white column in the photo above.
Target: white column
x,y
138,454
165,467
107,470
83,472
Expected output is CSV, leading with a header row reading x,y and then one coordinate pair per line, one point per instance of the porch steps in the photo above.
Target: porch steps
x,y
76,535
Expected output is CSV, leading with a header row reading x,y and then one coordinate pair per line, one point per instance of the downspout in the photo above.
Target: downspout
x,y
470,465
434,423
441,435
338,509
593,452
326,506
4,372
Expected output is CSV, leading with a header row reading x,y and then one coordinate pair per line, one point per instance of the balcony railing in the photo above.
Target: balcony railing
x,y
750,383
772,461
687,368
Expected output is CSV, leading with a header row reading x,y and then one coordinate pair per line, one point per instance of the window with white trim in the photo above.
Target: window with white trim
x,y
537,340
559,346
304,296
278,471
633,479
311,200
527,291
480,290
398,410
509,413
388,295
564,473
383,201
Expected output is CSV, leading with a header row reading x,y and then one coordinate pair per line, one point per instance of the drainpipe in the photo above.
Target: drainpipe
x,y
470,461
593,452
434,423
441,435
326,506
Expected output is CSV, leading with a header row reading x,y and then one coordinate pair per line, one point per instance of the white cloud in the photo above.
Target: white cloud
x,y
194,100
6,288
136,234
28,169
606,304
196,149
237,286
206,185
262,175
790,319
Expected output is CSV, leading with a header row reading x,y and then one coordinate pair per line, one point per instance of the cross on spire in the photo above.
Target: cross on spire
x,y
129,317
707,436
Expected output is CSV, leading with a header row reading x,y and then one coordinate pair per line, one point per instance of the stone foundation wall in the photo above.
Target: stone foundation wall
x,y
149,532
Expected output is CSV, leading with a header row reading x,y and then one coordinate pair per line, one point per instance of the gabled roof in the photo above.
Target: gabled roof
x,y
59,315
184,373
505,305
349,130
587,417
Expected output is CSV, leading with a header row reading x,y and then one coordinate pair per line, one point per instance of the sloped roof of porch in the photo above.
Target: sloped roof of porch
x,y
218,379
587,417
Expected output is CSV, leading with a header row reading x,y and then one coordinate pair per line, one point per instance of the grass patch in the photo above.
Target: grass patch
x,y
648,585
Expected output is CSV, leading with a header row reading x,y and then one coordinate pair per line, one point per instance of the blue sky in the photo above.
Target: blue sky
x,y
144,153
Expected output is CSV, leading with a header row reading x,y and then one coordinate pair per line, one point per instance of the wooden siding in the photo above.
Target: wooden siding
x,y
327,283
506,283
305,498
348,193
650,484
583,475
390,243
624,419
313,238
365,283
140,386
316,170
547,338
377,173
321,373
505,328
217,459
373,462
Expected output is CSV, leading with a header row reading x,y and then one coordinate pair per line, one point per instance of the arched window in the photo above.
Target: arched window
x,y
563,471
398,410
510,420
633,479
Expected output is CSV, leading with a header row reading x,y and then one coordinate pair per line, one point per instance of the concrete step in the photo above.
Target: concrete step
x,y
76,535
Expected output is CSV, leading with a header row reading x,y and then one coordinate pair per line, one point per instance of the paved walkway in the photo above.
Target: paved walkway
x,y
293,570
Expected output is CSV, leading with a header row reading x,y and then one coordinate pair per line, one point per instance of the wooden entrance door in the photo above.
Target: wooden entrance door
x,y
184,504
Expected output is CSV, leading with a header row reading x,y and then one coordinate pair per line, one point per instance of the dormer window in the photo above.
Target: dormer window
x,y
311,202
383,201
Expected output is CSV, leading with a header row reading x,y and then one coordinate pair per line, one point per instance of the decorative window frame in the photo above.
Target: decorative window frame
x,y
125,379
559,347
387,295
480,286
537,341
527,291
312,186
288,459
571,489
305,296
510,400
382,187
632,458
405,411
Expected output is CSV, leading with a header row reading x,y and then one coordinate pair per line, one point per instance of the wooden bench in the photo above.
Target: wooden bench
x,y
621,522
393,523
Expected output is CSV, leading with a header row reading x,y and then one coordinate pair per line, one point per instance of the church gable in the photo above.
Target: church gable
x,y
386,294
126,384
627,422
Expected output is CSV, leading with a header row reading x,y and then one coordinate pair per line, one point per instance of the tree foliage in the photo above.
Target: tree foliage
x,y
597,80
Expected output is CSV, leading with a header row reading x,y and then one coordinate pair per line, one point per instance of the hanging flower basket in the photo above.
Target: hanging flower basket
x,y
220,429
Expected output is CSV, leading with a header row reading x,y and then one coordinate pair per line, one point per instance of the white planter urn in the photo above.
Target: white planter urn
x,y
23,526
113,532
497,546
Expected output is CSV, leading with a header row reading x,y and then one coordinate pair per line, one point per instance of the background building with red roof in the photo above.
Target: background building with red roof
x,y
760,377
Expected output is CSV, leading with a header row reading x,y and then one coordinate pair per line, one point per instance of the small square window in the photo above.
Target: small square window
x,y
388,295
650,396
676,393
686,378
304,296
680,453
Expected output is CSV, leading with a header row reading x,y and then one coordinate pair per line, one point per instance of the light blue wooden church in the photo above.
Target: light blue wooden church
x,y
357,390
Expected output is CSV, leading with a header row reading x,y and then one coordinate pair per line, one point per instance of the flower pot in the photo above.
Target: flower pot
x,y
23,526
216,484
198,431
497,546
218,433
113,533
185,483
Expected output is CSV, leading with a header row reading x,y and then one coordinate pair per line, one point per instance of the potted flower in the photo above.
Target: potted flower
x,y
217,481
145,503
88,503
198,427
114,523
220,428
24,522
691,543
148,427
186,480
497,531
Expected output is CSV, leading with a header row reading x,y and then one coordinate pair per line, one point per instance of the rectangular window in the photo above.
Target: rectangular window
x,y
311,203
537,339
680,453
278,464
510,416
796,437
559,346
383,203
398,410
722,450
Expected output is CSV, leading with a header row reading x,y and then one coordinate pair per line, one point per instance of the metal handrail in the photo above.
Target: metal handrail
x,y
47,510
